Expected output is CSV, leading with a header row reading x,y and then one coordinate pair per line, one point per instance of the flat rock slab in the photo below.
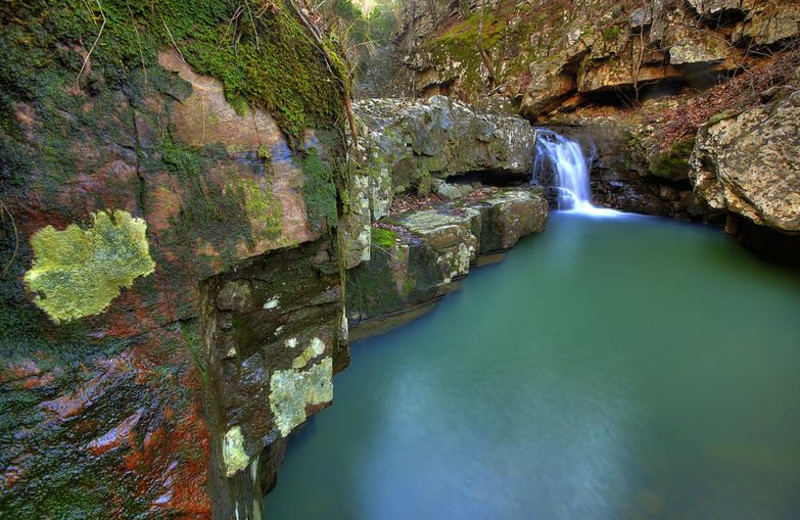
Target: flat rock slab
x,y
417,255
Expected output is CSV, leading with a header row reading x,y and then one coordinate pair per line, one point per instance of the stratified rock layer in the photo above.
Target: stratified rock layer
x,y
409,146
441,137
549,54
132,187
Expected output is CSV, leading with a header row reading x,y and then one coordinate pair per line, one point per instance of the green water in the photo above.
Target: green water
x,y
608,369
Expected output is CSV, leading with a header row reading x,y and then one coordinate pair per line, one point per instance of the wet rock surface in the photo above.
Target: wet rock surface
x,y
622,172
273,330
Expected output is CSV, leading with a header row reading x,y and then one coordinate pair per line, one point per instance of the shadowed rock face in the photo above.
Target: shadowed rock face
x,y
749,164
274,337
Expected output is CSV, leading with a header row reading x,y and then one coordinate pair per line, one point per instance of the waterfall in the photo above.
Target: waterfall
x,y
564,160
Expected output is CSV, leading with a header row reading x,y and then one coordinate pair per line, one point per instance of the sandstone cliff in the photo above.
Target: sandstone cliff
x,y
179,206
169,177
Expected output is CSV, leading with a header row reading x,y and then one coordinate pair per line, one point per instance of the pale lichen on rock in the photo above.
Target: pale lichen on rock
x,y
292,391
233,453
314,349
78,272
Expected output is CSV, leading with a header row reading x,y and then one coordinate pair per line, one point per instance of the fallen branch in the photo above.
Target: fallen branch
x,y
329,62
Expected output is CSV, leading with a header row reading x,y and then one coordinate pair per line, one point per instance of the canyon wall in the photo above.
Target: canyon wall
x,y
546,55
436,186
171,287
644,86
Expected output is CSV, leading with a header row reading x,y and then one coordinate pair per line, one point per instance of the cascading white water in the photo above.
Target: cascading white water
x,y
566,159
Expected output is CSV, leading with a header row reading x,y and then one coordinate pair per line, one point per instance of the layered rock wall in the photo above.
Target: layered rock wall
x,y
749,164
418,217
417,255
409,147
174,242
546,55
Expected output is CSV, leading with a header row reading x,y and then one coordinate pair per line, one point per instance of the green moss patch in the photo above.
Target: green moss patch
x,y
464,43
384,237
263,56
78,272
673,163
262,208
319,191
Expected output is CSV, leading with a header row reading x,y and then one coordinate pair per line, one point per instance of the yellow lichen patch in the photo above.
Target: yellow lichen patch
x,y
78,272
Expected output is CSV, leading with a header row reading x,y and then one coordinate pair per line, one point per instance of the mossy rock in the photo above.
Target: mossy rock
x,y
674,162
319,191
265,58
722,116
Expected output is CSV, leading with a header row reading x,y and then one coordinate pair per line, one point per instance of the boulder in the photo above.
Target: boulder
x,y
407,144
768,23
441,137
749,164
719,10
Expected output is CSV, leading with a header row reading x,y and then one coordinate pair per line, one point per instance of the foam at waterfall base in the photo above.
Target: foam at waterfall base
x,y
566,159
585,208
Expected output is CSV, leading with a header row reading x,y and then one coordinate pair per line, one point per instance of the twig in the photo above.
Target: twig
x,y
173,40
138,41
253,22
91,15
100,33
16,240
328,62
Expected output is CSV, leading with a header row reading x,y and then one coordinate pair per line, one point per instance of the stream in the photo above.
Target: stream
x,y
609,368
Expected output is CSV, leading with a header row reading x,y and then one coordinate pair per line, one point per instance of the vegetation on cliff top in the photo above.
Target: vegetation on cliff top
x,y
359,31
260,50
